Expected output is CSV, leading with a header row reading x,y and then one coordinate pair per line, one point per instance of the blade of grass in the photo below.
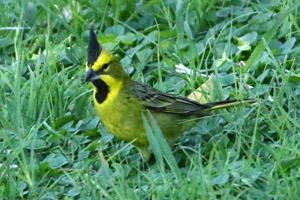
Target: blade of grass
x,y
154,144
257,53
159,144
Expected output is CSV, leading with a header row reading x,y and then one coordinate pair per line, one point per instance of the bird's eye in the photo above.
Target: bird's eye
x,y
105,66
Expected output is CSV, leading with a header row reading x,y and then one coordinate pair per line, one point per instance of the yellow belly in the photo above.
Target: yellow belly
x,y
124,120
121,114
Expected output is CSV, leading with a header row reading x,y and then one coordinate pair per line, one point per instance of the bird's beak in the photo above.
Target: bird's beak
x,y
91,75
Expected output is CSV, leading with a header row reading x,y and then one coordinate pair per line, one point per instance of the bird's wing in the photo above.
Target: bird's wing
x,y
156,100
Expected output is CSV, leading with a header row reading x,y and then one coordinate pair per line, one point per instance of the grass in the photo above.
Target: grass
x,y
53,146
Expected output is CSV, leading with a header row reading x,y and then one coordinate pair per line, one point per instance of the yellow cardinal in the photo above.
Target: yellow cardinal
x,y
120,102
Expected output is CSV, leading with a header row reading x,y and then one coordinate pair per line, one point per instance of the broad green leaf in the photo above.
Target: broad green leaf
x,y
220,180
4,42
37,144
127,39
115,30
226,80
55,161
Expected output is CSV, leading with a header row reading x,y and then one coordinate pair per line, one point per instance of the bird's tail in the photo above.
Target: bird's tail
x,y
228,104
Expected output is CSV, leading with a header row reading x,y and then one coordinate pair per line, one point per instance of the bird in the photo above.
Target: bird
x,y
121,102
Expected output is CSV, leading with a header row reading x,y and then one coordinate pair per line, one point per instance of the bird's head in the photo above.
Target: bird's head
x,y
101,65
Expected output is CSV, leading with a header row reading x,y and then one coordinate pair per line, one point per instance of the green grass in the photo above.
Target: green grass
x,y
53,146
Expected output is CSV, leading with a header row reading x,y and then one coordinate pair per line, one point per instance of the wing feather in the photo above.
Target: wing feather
x,y
156,100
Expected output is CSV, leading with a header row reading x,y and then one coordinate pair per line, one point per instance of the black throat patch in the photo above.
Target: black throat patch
x,y
102,90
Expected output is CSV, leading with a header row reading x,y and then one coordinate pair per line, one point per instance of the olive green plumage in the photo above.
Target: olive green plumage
x,y
120,102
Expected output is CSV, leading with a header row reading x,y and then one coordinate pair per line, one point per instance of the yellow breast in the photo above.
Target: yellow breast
x,y
121,116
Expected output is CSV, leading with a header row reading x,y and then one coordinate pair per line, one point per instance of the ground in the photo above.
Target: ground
x,y
53,145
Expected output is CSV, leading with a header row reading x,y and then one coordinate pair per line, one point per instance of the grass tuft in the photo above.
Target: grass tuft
x,y
53,146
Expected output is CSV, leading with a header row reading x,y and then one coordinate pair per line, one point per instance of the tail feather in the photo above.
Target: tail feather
x,y
228,103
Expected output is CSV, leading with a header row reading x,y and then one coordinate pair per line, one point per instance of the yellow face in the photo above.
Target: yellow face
x,y
105,73
98,59
104,58
102,69
100,66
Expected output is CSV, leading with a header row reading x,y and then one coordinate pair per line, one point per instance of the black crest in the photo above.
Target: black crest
x,y
94,48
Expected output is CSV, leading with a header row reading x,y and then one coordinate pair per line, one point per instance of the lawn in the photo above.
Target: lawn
x,y
53,145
